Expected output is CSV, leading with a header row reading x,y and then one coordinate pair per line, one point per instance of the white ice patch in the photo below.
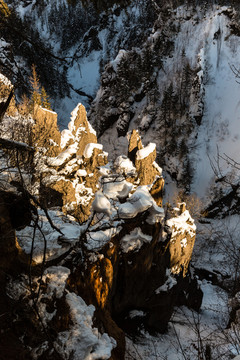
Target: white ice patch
x,y
134,240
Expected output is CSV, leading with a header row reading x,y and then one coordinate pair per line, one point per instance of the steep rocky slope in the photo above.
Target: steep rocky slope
x,y
170,72
165,69
58,268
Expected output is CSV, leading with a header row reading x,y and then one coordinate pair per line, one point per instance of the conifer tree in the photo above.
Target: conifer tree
x,y
45,99
35,84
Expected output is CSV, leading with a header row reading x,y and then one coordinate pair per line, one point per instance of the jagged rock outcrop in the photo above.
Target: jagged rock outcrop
x,y
73,172
147,170
125,257
45,131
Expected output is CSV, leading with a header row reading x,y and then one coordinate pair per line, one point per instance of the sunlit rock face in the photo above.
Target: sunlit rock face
x,y
72,173
137,260
148,171
45,131
125,253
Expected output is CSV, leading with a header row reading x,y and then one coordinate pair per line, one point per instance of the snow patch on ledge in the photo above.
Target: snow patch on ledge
x,y
88,151
91,129
146,151
139,202
124,165
63,156
83,341
134,240
181,224
55,277
47,110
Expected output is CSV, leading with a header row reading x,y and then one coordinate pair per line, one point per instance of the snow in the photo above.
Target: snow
x,y
140,201
91,130
121,54
96,240
47,110
83,194
55,277
66,135
88,151
124,165
146,151
117,189
63,156
136,313
74,113
83,341
5,81
157,167
169,283
101,204
134,240
181,339
81,172
182,224
71,233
